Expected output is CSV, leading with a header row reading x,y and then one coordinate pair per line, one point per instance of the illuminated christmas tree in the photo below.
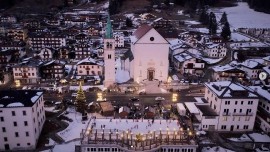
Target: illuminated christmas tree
x,y
81,100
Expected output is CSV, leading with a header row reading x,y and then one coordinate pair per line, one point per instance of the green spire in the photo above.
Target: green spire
x,y
80,100
109,32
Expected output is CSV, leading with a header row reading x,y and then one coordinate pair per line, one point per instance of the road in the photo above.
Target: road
x,y
186,95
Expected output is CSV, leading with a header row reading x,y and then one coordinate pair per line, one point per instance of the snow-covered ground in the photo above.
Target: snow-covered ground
x,y
242,16
122,76
236,37
74,128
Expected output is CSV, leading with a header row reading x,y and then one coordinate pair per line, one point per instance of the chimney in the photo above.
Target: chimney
x,y
219,87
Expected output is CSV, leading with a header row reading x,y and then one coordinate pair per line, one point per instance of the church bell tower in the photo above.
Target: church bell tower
x,y
109,55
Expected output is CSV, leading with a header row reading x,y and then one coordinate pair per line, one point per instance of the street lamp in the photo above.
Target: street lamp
x,y
174,97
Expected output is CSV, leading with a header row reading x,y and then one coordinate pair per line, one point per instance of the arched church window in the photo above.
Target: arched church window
x,y
110,45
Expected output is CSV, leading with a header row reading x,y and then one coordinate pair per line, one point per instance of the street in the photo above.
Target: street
x,y
121,99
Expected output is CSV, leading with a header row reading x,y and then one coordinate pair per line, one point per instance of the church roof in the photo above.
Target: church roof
x,y
127,54
141,31
109,33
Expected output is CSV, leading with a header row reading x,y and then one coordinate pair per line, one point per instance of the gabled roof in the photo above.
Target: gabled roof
x,y
181,57
141,31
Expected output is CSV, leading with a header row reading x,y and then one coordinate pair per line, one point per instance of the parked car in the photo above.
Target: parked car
x,y
134,99
159,98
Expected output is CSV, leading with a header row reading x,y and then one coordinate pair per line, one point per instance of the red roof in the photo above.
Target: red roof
x,y
141,31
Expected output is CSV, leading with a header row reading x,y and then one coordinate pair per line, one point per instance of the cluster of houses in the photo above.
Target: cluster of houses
x,y
72,45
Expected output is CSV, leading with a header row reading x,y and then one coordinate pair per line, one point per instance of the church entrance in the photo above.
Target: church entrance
x,y
150,74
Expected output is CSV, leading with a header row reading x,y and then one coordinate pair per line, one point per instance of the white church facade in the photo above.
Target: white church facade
x,y
147,59
150,55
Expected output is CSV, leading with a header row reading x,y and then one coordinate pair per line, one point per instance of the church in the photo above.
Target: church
x,y
147,59
150,55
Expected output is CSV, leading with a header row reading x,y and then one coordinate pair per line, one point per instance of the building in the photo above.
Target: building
x,y
235,106
109,56
17,33
46,54
119,39
187,63
118,137
27,71
82,50
54,69
46,39
90,67
252,67
150,51
22,117
263,113
228,73
217,50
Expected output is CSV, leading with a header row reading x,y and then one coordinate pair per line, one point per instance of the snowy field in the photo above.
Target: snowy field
x,y
243,16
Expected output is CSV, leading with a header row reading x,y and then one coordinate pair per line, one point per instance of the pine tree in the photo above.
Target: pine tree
x,y
80,100
226,31
129,22
212,24
204,17
223,19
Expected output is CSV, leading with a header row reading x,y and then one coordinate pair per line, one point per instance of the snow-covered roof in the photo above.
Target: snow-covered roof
x,y
175,44
192,107
228,89
267,69
260,91
253,63
19,98
267,58
91,61
181,57
15,104
259,137
221,68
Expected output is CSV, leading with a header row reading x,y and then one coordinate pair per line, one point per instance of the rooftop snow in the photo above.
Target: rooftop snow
x,y
192,107
15,104
182,57
175,44
221,68
260,137
261,92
